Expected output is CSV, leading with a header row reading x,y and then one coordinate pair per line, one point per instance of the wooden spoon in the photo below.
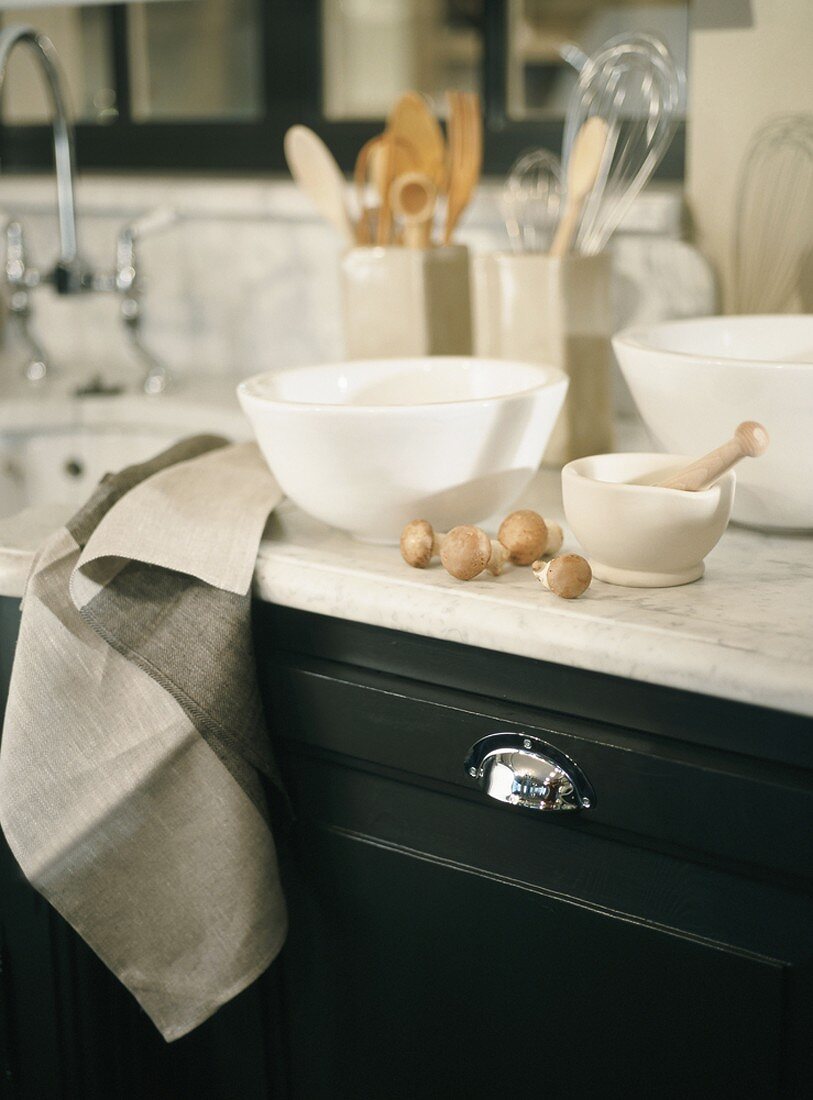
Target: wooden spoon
x,y
412,122
750,441
413,199
582,171
315,170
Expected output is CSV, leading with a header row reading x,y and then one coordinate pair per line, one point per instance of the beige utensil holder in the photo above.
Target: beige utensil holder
x,y
406,301
534,308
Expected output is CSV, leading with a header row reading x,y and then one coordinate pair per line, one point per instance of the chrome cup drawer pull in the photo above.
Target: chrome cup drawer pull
x,y
525,771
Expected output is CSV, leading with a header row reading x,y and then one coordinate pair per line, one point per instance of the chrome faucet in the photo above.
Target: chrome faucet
x,y
70,275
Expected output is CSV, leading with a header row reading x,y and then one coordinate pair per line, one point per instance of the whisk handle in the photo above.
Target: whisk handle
x,y
566,230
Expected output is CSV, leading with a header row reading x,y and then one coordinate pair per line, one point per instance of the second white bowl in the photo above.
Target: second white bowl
x,y
694,381
368,445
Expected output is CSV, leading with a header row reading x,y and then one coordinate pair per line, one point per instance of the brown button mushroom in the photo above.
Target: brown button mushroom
x,y
567,576
419,543
523,537
466,551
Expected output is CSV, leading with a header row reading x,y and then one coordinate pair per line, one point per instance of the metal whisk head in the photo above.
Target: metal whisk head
x,y
633,84
773,238
530,200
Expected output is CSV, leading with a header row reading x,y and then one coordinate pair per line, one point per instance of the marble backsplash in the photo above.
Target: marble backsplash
x,y
247,278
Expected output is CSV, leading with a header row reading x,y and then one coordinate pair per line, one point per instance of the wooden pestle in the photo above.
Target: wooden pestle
x,y
750,441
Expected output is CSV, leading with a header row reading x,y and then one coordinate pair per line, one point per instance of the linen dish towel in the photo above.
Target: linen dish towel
x,y
134,739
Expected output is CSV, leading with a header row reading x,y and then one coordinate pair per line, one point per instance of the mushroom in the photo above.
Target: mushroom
x,y
524,536
567,576
419,543
465,552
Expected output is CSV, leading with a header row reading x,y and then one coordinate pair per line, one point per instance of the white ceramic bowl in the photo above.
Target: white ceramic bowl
x,y
694,381
371,444
638,534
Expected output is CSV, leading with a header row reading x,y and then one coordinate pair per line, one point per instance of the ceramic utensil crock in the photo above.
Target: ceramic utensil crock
x,y
536,308
406,301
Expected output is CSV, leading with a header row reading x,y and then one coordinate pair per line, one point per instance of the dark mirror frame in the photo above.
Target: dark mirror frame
x,y
291,43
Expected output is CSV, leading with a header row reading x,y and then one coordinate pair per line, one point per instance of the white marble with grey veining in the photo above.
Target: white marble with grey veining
x,y
743,632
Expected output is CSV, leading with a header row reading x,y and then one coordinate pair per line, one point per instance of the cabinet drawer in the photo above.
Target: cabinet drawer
x,y
651,790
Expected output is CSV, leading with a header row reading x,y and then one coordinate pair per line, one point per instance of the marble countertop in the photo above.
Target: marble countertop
x,y
744,632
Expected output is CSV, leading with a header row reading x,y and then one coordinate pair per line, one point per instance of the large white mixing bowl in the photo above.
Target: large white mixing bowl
x,y
694,381
369,445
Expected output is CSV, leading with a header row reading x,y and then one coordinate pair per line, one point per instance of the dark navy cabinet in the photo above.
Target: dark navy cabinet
x,y
443,944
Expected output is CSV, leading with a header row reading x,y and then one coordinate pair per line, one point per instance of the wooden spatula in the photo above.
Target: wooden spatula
x,y
465,155
582,171
314,168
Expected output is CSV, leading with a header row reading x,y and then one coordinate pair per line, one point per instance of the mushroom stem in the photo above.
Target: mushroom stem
x,y
540,571
499,556
556,537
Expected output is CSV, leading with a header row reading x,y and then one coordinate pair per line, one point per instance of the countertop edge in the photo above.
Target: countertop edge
x,y
617,650
629,653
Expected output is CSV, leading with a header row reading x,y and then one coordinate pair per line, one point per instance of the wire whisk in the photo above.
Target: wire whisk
x,y
773,235
632,82
530,200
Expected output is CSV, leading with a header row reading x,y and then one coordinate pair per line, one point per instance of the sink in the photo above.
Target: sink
x,y
368,445
56,446
64,466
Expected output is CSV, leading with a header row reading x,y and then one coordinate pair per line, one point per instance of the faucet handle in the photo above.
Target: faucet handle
x,y
18,274
154,221
128,284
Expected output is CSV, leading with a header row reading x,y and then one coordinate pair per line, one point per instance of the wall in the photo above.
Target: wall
x,y
247,280
748,60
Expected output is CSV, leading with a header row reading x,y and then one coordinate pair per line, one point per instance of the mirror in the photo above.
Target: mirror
x,y
549,40
186,60
373,50
83,40
199,60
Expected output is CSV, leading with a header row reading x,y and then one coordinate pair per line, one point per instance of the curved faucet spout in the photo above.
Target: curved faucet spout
x,y
68,275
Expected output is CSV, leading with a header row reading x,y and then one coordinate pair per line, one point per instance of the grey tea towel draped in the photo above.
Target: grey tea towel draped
x,y
134,740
